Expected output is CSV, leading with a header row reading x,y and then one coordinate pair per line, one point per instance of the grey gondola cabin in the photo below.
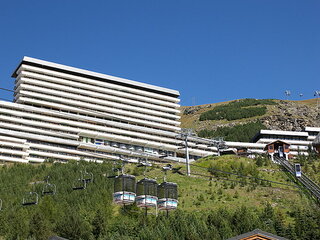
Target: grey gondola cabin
x,y
124,190
168,196
147,193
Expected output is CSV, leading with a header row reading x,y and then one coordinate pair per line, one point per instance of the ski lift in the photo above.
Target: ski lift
x,y
0,204
124,186
147,193
124,189
79,184
168,191
146,189
49,188
168,196
87,176
31,198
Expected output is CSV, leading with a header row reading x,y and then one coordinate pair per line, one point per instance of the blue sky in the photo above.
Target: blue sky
x,y
209,50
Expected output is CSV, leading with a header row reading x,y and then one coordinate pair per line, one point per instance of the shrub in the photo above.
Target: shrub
x,y
239,133
239,109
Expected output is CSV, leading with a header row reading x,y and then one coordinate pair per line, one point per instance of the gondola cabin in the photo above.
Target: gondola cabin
x,y
297,169
168,196
147,193
124,189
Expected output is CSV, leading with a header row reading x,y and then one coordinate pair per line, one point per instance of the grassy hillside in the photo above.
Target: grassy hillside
x,y
209,207
282,115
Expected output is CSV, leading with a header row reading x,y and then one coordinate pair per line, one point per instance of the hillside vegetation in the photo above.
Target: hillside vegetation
x,y
226,119
244,108
239,133
209,206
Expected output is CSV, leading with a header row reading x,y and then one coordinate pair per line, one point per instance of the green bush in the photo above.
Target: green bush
x,y
239,133
239,109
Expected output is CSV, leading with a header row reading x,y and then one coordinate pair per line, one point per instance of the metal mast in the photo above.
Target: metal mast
x,y
185,133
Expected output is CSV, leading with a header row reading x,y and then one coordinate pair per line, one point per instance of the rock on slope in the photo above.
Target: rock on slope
x,y
287,115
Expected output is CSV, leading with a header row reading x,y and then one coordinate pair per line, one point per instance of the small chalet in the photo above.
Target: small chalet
x,y
242,151
257,234
278,149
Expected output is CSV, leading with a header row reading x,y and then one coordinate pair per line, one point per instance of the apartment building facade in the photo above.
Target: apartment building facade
x,y
66,113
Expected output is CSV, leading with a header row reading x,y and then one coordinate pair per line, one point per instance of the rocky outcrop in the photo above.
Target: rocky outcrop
x,y
291,116
286,115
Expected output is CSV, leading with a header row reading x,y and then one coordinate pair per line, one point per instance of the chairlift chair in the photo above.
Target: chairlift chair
x,y
31,198
87,176
79,184
49,189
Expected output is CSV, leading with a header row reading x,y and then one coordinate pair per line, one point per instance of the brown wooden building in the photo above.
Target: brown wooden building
x,y
278,148
257,234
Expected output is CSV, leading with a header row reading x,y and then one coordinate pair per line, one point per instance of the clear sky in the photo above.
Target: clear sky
x,y
209,50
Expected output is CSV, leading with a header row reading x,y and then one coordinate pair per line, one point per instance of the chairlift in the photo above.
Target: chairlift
x,y
79,184
49,188
87,176
31,198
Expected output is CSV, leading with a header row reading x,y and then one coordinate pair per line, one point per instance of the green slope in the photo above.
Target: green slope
x,y
208,208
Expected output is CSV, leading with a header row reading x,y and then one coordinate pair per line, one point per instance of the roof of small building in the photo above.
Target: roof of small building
x,y
57,238
276,141
257,234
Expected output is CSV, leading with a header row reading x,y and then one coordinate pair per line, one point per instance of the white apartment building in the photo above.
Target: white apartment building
x,y
65,113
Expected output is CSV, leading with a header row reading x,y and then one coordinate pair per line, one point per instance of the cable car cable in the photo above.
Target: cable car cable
x,y
5,89
226,179
240,175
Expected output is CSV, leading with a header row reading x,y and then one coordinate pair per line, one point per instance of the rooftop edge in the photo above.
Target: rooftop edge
x,y
101,76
